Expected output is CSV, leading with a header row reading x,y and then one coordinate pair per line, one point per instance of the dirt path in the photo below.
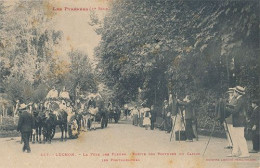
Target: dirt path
x,y
122,145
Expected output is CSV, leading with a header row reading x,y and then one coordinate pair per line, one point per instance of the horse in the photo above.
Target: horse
x,y
48,124
56,116
38,116
79,108
113,113
62,121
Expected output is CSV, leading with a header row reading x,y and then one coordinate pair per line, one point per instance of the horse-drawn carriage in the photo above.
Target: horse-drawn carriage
x,y
93,110
58,110
65,116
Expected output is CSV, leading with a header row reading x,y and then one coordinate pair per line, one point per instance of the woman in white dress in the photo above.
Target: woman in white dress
x,y
147,118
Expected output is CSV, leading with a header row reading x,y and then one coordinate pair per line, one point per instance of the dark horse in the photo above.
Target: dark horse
x,y
62,121
38,120
54,117
38,117
114,114
48,124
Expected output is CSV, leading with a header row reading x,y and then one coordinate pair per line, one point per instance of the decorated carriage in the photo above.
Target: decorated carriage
x,y
61,112
93,110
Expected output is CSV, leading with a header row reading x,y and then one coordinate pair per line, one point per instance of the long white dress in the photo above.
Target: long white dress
x,y
179,125
52,94
147,120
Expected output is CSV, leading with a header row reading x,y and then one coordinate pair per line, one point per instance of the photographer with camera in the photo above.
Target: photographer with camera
x,y
238,111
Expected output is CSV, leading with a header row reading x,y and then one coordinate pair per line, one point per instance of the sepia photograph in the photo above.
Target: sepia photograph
x,y
129,84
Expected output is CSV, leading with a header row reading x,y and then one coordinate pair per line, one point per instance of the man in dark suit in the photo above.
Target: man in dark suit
x,y
153,117
255,123
25,126
167,117
239,121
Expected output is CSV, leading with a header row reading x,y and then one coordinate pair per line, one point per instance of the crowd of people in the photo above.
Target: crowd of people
x,y
179,116
28,115
175,115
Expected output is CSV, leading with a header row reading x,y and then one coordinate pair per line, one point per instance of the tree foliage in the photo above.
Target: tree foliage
x,y
184,47
31,59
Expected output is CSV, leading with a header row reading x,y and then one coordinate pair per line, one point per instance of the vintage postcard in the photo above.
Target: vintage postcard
x,y
129,83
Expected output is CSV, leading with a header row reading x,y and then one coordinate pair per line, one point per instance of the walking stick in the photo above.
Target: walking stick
x,y
210,137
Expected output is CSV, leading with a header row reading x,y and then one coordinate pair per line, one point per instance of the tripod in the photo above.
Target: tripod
x,y
213,129
174,123
222,115
227,130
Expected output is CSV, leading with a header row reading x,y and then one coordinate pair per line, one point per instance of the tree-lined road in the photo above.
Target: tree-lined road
x,y
116,145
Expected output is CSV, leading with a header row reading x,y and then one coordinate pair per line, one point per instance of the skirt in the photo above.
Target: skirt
x,y
146,121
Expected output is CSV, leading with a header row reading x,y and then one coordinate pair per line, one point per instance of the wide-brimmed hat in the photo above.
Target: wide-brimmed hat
x,y
22,106
240,90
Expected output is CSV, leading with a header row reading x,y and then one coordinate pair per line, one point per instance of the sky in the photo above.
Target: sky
x,y
77,33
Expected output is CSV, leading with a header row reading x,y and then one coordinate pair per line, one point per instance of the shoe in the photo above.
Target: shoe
x,y
253,151
28,151
228,147
189,140
244,156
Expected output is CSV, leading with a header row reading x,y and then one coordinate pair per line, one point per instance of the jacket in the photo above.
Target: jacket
x,y
188,109
165,110
232,103
153,115
239,112
26,122
255,119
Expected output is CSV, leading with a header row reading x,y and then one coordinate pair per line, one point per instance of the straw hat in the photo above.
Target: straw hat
x,y
231,90
240,90
22,106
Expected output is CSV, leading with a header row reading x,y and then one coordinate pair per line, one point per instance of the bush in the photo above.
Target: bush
x,y
9,123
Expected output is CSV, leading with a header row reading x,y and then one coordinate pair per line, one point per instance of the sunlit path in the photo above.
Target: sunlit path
x,y
121,142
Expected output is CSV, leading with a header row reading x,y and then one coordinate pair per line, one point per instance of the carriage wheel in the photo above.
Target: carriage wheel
x,y
73,128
